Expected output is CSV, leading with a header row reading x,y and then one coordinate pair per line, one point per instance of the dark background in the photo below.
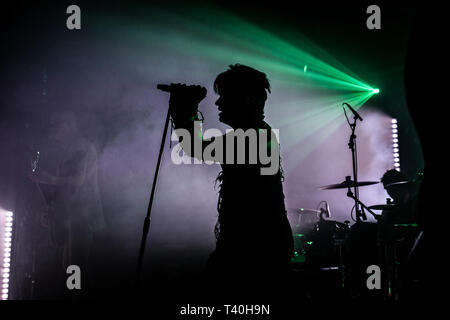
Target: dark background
x,y
337,27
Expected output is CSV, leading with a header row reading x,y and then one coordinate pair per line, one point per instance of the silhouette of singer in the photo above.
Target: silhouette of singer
x,y
254,241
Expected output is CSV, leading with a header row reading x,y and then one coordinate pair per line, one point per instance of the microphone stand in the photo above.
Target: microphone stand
x,y
352,145
146,226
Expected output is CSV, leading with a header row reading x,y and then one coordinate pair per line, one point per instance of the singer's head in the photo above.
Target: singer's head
x,y
242,94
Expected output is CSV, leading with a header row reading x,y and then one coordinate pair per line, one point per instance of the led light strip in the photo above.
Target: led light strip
x,y
395,145
7,239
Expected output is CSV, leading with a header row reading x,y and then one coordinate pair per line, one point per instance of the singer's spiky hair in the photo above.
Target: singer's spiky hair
x,y
244,81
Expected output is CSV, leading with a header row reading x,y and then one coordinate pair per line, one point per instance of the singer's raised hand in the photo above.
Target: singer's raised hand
x,y
184,100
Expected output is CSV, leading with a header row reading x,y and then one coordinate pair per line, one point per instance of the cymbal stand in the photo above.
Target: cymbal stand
x,y
352,145
359,202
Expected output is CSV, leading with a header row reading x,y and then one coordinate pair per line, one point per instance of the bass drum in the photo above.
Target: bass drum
x,y
301,244
326,244
302,233
362,244
362,251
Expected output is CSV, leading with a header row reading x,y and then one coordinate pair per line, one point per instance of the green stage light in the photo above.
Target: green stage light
x,y
193,44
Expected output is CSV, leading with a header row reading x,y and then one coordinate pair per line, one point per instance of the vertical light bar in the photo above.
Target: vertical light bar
x,y
6,238
395,144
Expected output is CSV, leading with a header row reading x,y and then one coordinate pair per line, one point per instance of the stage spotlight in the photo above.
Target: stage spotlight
x,y
395,147
6,229
375,91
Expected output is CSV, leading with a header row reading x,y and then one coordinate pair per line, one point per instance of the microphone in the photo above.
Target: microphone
x,y
164,87
328,210
171,87
356,114
194,91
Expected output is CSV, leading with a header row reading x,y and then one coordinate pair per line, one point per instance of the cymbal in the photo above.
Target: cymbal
x,y
402,183
383,207
346,184
408,225
303,211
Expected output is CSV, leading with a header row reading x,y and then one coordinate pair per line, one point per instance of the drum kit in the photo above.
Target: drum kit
x,y
332,245
315,237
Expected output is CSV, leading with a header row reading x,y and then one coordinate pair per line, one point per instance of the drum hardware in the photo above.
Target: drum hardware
x,y
400,183
348,184
303,211
383,207
305,219
336,246
301,248
329,268
416,241
408,183
327,248
351,195
405,225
